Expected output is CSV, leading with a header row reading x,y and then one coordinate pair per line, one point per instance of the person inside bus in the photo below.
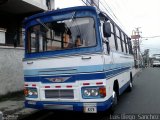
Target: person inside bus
x,y
78,42
67,40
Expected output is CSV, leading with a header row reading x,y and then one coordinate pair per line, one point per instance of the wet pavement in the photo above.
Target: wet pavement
x,y
12,107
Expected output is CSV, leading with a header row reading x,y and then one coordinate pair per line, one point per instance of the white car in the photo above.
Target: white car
x,y
156,63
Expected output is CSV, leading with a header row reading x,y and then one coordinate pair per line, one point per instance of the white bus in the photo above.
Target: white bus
x,y
76,59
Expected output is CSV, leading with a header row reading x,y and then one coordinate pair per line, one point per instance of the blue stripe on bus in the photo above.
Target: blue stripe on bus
x,y
67,70
73,78
74,70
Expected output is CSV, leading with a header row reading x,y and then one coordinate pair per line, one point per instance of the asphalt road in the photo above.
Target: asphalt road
x,y
144,99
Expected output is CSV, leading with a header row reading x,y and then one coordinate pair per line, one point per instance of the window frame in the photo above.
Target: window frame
x,y
126,42
114,37
29,41
121,41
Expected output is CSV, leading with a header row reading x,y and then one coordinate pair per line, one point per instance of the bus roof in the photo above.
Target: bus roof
x,y
78,8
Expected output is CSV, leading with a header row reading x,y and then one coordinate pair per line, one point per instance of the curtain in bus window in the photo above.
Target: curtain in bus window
x,y
112,42
119,44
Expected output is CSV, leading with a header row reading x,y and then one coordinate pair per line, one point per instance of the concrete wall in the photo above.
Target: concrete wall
x,y
38,3
11,69
66,3
2,36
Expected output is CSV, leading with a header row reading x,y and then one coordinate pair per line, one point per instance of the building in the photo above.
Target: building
x,y
12,14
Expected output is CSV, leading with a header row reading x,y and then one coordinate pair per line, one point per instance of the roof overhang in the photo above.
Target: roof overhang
x,y
21,6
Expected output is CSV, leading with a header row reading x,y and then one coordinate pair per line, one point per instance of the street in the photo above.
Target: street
x,y
144,99
145,96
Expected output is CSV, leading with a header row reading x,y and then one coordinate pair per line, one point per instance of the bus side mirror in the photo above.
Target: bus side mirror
x,y
107,29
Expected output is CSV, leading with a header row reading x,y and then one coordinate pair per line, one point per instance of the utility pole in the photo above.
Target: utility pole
x,y
138,42
136,46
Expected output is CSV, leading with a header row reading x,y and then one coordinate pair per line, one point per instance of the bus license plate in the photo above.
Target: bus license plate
x,y
90,109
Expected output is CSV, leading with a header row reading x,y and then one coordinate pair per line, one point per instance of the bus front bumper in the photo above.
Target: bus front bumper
x,y
69,106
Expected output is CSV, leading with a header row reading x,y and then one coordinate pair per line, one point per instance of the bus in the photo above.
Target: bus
x,y
76,59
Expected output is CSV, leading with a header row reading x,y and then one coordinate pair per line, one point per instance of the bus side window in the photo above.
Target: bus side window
x,y
118,36
126,43
112,39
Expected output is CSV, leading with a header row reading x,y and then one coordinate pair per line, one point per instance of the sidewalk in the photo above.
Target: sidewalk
x,y
13,108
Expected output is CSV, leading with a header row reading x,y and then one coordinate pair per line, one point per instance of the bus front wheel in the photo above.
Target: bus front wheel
x,y
114,103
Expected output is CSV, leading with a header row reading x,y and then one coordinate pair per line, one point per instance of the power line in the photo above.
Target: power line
x,y
152,36
106,9
113,16
151,48
110,11
84,2
113,13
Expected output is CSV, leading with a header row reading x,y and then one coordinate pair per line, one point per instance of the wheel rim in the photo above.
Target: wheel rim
x,y
131,85
114,98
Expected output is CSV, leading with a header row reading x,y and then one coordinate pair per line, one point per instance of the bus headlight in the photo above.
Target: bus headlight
x,y
93,92
31,92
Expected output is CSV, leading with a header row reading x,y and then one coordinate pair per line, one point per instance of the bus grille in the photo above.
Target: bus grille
x,y
62,94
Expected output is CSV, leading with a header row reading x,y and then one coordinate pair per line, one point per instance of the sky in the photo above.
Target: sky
x,y
131,14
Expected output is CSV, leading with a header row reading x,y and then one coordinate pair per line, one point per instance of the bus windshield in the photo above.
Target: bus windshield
x,y
61,35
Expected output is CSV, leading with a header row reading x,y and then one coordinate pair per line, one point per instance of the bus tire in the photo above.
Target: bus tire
x,y
114,100
115,97
114,103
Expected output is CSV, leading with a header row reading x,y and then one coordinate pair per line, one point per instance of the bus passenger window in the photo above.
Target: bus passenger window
x,y
33,42
112,42
112,39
